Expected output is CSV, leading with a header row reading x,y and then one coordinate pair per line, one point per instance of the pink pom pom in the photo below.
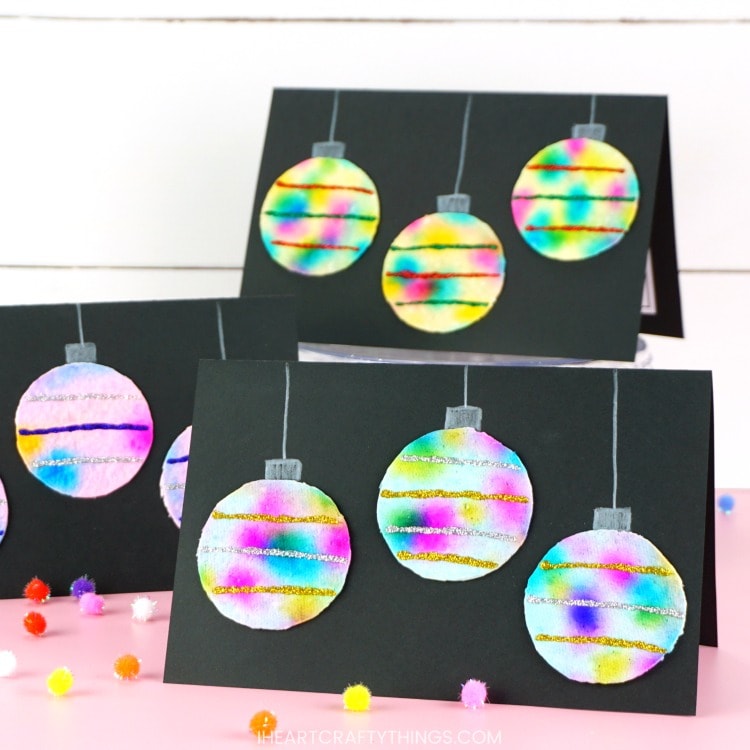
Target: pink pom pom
x,y
91,604
473,693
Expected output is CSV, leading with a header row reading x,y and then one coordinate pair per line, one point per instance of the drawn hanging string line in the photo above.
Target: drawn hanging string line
x,y
614,438
286,411
440,287
334,115
593,109
80,322
464,138
220,325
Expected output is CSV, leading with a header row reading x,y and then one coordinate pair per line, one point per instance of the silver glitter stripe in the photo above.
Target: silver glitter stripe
x,y
37,463
271,552
606,605
449,530
453,461
82,397
175,486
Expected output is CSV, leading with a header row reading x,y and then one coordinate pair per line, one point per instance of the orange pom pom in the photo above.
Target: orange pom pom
x,y
263,723
36,590
127,667
35,623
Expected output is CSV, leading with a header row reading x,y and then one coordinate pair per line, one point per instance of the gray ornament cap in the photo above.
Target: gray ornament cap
x,y
596,131
457,203
614,519
85,352
463,416
334,149
284,468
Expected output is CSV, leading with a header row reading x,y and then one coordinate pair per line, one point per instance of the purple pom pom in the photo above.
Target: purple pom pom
x,y
82,585
474,693
91,604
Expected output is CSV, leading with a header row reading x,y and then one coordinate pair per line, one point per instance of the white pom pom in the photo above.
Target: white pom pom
x,y
8,663
144,608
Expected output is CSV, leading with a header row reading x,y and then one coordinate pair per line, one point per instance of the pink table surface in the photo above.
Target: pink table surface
x,y
102,712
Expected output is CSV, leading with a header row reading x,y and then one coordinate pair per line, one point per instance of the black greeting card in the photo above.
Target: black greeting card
x,y
487,273
57,528
407,635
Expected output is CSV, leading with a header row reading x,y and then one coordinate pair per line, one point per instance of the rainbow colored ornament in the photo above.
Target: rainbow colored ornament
x,y
320,216
3,512
83,429
455,504
173,475
445,270
576,198
604,606
275,552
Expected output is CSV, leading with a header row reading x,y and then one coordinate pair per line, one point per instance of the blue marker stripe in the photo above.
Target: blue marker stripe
x,y
180,460
88,426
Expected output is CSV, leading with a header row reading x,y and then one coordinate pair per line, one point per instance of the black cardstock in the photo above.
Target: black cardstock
x,y
406,636
409,143
125,541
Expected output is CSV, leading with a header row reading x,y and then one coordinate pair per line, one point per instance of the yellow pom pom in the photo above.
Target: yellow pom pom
x,y
357,698
60,680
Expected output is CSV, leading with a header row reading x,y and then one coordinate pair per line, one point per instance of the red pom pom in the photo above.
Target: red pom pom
x,y
35,623
36,590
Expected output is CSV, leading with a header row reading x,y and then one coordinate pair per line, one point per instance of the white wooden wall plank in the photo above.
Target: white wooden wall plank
x,y
384,9
38,286
138,143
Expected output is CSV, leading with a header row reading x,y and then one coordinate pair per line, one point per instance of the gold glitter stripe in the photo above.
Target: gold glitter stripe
x,y
469,494
602,641
653,570
332,520
439,557
292,590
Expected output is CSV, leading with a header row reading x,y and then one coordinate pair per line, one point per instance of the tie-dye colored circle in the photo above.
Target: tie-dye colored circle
x,y
274,554
604,606
455,504
320,216
575,199
173,475
444,272
83,429
3,512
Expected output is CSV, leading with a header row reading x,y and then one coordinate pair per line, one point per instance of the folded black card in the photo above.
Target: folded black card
x,y
410,636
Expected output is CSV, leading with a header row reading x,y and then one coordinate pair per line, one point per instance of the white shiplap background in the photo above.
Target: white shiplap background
x,y
131,134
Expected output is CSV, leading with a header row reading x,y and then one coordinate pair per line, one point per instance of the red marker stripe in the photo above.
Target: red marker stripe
x,y
572,168
321,186
314,245
572,228
435,275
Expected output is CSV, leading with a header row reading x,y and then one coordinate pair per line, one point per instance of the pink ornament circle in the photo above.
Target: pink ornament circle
x,y
83,429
